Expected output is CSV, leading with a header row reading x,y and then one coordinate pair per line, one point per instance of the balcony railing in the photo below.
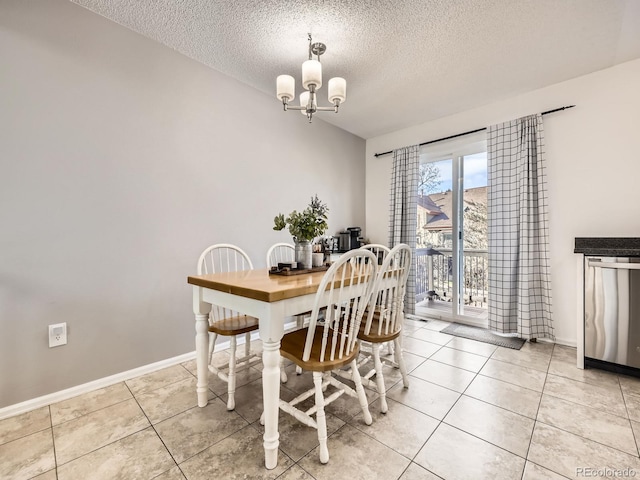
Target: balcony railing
x,y
434,275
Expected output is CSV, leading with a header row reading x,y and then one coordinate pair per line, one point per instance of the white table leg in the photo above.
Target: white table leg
x,y
271,331
201,310
271,396
202,352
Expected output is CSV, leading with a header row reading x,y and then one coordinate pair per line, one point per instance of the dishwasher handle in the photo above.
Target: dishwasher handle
x,y
621,266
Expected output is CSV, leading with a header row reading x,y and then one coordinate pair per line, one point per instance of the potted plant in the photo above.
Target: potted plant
x,y
304,227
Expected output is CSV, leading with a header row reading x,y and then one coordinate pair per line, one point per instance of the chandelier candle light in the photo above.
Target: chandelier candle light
x,y
311,81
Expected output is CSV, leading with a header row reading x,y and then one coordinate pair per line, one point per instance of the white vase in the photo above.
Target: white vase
x,y
303,253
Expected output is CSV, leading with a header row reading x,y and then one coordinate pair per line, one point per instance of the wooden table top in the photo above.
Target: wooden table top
x,y
259,285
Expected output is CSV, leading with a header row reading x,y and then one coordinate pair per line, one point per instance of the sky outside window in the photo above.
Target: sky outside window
x,y
475,172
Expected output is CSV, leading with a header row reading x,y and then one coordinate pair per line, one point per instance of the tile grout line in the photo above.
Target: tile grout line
x,y
445,415
155,431
53,443
98,448
461,394
497,406
215,398
369,436
624,400
584,438
92,411
411,460
535,420
585,406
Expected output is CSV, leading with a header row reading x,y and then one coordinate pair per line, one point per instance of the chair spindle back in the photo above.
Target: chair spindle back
x,y
345,290
220,258
380,251
387,301
280,253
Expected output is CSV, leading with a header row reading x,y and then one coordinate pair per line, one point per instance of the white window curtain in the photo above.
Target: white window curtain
x,y
403,211
519,280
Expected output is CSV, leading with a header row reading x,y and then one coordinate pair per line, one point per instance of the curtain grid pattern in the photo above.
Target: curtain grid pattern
x,y
403,211
519,280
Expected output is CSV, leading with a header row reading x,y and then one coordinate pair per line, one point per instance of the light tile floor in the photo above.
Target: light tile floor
x,y
472,411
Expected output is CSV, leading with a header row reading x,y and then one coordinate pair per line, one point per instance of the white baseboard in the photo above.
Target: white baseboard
x,y
61,395
562,341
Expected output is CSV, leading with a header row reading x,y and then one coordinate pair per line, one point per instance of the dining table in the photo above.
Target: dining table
x,y
272,299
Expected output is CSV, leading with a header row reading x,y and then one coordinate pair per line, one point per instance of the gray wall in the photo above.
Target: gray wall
x,y
120,161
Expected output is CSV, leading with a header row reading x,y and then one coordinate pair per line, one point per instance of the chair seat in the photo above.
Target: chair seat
x,y
292,347
373,335
234,325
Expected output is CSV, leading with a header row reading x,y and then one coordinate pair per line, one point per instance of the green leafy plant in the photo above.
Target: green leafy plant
x,y
305,225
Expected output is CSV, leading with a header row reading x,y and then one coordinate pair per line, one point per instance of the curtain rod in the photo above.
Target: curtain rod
x,y
470,132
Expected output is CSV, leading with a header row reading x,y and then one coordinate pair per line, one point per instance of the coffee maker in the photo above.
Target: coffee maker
x,y
344,244
350,239
354,237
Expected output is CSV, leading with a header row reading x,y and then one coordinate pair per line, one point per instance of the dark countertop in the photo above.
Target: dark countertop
x,y
608,246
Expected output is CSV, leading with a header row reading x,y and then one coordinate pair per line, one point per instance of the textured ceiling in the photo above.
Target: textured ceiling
x,y
405,61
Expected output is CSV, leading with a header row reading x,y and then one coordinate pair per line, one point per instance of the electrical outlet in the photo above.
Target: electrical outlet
x,y
57,334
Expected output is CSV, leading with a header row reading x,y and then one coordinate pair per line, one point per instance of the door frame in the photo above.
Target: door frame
x,y
456,150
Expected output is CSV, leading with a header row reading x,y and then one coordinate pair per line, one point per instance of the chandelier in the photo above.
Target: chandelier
x,y
311,81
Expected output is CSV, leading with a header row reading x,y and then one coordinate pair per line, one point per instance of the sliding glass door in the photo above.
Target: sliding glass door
x,y
451,254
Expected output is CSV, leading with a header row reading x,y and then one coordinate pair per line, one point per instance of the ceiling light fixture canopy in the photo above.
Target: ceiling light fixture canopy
x,y
311,81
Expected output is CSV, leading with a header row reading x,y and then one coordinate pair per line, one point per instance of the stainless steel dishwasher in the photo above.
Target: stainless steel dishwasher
x,y
612,311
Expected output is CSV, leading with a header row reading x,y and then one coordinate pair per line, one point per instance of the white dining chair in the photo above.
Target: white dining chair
x,y
384,319
284,253
280,253
225,322
325,347
380,251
